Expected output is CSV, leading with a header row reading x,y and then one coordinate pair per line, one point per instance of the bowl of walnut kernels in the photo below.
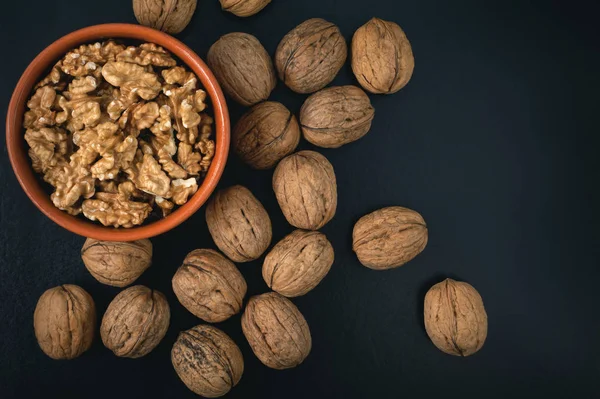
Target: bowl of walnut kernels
x,y
118,132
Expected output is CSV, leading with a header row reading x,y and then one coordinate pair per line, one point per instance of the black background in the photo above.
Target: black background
x,y
494,141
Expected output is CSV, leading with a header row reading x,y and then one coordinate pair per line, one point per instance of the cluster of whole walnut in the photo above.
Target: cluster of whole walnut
x,y
101,130
208,284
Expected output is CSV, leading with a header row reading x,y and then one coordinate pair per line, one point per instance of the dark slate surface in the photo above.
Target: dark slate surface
x,y
494,141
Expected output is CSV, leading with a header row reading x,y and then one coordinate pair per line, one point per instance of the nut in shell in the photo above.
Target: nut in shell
x,y
209,286
171,16
135,322
306,189
298,263
244,8
309,57
382,58
265,134
336,116
389,237
116,263
239,224
243,68
276,331
207,361
455,318
64,321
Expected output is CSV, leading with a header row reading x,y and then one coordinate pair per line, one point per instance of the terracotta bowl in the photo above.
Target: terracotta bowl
x,y
17,147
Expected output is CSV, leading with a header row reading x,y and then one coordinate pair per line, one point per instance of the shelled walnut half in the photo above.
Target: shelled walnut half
x,y
119,132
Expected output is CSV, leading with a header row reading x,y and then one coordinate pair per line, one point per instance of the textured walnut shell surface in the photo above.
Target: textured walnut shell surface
x,y
244,8
306,189
135,322
207,361
116,263
298,263
171,16
455,318
382,58
209,286
265,134
336,116
389,237
243,68
276,331
239,224
64,321
309,57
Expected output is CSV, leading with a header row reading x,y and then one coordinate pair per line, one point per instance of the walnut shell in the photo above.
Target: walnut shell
x,y
455,318
170,16
243,68
64,321
116,263
309,57
135,322
389,237
209,285
265,134
336,116
276,331
207,361
306,189
244,8
239,224
298,263
382,58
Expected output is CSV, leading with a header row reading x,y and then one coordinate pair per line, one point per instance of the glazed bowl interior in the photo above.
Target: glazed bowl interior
x,y
17,148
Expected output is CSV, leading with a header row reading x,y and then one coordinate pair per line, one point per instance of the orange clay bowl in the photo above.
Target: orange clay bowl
x,y
29,180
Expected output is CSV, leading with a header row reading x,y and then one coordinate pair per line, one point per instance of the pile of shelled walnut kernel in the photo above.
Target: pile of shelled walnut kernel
x,y
118,131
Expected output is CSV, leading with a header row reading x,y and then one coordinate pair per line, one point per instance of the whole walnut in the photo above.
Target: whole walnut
x,y
336,116
243,68
64,321
244,8
171,16
265,134
209,285
239,224
389,237
306,189
309,57
135,322
116,263
455,318
276,331
298,263
382,58
208,362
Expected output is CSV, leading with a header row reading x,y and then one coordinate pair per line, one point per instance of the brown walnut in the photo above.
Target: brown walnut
x,y
64,321
276,331
336,116
309,57
208,362
298,263
209,286
243,68
306,189
455,318
171,16
382,58
265,134
135,322
389,237
244,8
239,224
116,263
